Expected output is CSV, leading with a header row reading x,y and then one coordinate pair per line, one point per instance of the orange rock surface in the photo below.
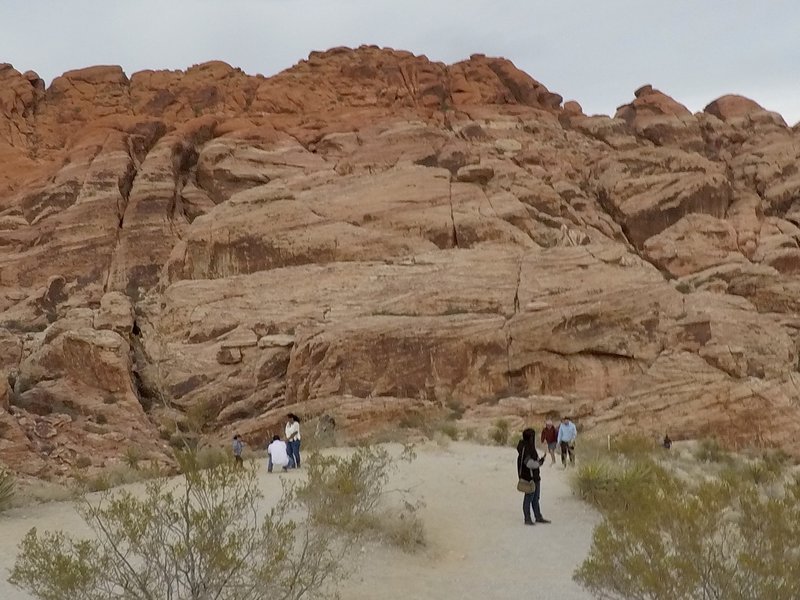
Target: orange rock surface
x,y
371,234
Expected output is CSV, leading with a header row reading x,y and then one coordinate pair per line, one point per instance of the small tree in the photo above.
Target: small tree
x,y
204,536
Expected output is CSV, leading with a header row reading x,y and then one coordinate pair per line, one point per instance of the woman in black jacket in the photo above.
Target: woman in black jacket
x,y
528,463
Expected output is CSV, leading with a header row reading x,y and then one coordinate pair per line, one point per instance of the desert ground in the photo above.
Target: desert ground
x,y
477,546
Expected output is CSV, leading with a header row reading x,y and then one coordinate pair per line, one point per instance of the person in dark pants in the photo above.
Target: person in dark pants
x,y
567,433
293,440
550,437
528,463
238,447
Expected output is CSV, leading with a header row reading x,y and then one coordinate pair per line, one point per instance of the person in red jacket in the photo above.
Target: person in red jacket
x,y
550,437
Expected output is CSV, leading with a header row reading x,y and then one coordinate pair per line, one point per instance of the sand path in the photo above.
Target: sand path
x,y
477,544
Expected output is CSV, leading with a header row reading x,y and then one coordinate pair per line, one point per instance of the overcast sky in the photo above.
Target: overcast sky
x,y
594,51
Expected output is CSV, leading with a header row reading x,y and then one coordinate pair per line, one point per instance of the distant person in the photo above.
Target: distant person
x,y
238,448
528,463
550,437
667,443
293,440
567,433
277,454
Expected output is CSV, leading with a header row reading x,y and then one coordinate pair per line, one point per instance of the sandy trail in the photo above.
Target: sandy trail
x,y
477,544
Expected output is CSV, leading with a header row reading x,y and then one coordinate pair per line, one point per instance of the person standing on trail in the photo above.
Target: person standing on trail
x,y
238,448
293,440
550,437
528,463
567,433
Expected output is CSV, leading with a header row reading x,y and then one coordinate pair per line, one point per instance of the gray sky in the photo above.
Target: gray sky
x,y
594,51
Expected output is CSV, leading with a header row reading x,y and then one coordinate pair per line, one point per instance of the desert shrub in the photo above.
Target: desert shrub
x,y
777,461
499,432
450,430
7,488
83,462
632,445
456,409
402,528
759,472
413,420
132,457
357,480
204,536
595,482
608,484
41,492
700,539
710,450
206,457
107,478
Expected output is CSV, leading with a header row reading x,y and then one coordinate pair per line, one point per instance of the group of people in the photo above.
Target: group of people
x,y
561,437
529,463
283,453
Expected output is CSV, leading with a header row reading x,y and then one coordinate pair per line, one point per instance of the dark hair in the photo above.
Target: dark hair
x,y
276,438
529,440
236,437
293,417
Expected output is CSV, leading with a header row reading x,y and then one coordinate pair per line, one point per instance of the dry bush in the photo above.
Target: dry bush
x,y
401,528
8,486
107,478
500,432
40,492
132,457
711,450
450,430
633,445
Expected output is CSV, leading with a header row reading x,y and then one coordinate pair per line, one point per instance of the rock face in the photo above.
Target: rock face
x,y
370,234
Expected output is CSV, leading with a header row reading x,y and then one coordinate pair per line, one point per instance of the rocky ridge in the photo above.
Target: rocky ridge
x,y
373,235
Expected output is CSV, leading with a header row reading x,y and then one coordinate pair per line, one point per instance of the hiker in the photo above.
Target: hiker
x,y
530,481
550,437
277,454
566,440
667,443
238,447
293,440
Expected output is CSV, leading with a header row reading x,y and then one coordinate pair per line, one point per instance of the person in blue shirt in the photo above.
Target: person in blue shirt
x,y
567,433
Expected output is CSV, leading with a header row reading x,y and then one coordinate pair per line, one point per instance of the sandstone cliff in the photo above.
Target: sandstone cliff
x,y
370,233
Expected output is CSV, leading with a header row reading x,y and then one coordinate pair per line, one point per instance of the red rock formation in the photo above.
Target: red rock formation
x,y
371,233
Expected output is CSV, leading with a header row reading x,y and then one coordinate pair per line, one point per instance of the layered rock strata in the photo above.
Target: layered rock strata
x,y
371,235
